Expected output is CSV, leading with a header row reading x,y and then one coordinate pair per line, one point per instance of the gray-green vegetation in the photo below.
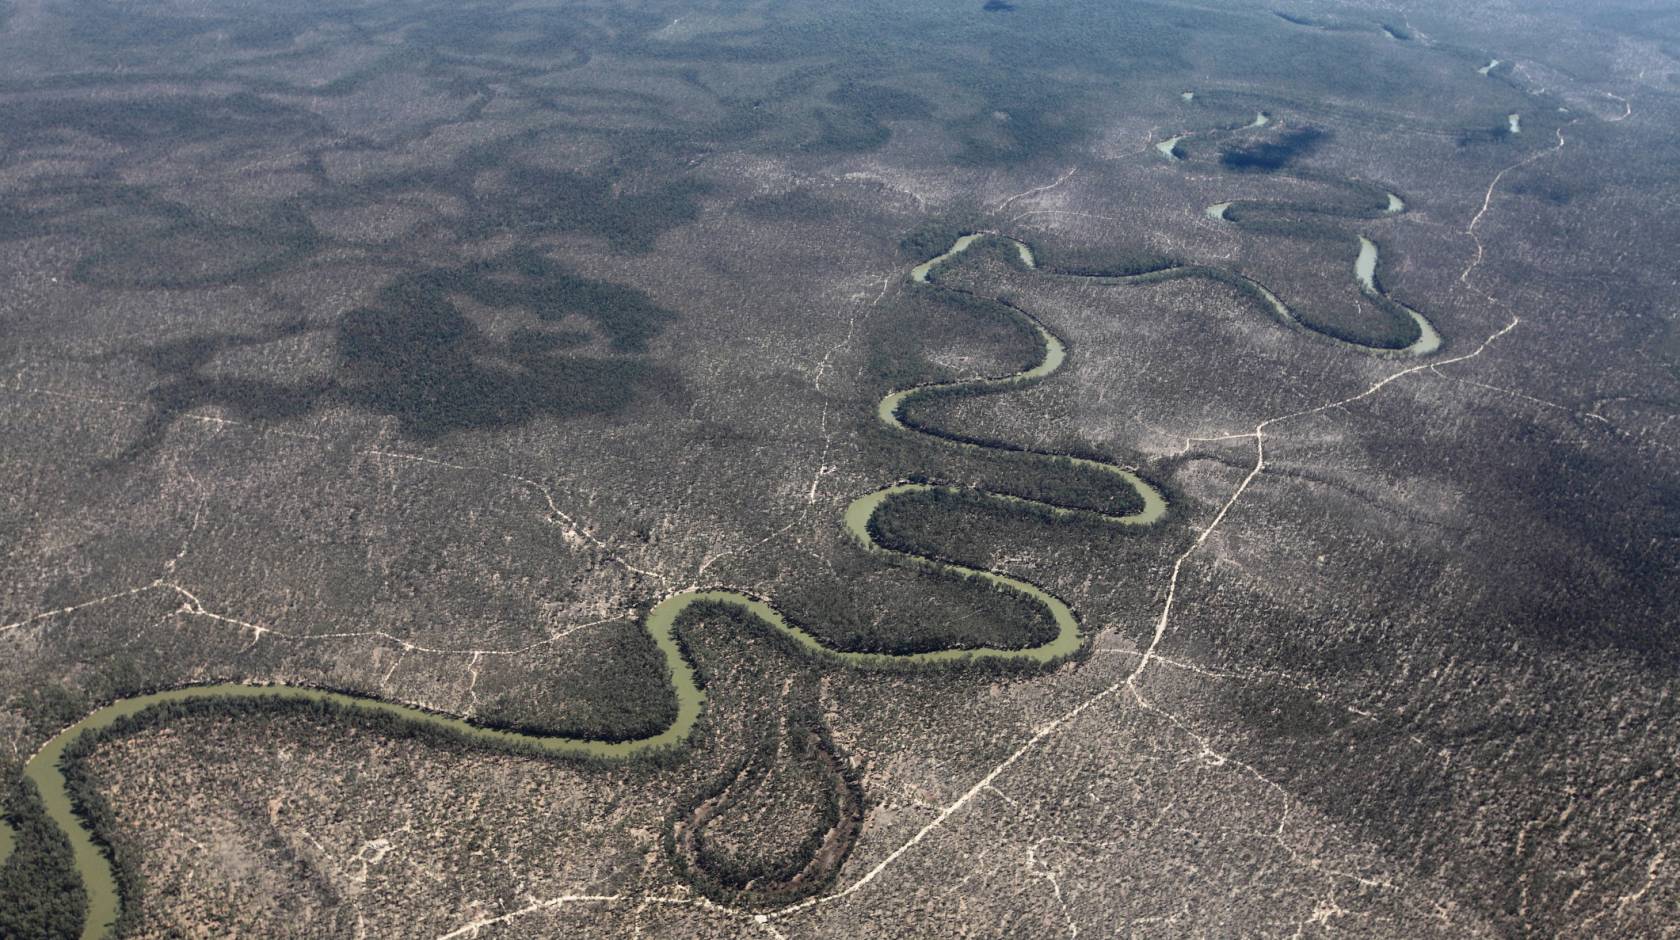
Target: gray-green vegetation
x,y
449,454
71,805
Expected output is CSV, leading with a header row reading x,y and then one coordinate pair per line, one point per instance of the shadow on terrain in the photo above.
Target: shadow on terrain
x,y
419,356
1272,155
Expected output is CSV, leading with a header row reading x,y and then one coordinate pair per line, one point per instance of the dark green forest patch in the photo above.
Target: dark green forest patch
x,y
532,201
1018,126
41,893
417,355
1272,155
881,102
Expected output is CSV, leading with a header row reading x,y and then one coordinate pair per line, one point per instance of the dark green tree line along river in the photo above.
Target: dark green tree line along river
x,y
51,769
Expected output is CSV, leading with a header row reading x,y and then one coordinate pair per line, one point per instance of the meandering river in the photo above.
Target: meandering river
x,y
46,768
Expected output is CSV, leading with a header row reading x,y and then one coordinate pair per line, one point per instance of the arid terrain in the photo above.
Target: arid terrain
x,y
968,469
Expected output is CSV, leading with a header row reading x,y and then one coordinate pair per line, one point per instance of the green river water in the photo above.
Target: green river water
x,y
1169,148
46,768
1364,274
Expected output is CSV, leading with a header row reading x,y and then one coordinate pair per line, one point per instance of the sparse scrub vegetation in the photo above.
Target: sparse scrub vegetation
x,y
416,351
